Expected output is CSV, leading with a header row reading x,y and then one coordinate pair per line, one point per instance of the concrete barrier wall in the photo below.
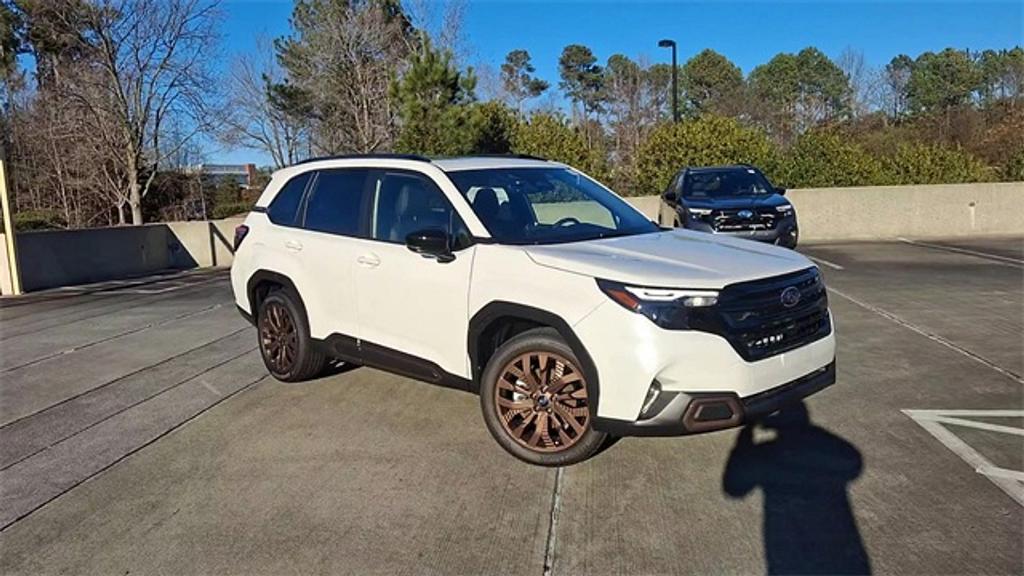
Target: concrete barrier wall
x,y
67,257
933,211
202,244
62,258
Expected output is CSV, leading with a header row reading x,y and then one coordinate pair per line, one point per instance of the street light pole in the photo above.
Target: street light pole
x,y
675,87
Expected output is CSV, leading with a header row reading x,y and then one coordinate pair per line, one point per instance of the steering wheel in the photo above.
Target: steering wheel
x,y
567,220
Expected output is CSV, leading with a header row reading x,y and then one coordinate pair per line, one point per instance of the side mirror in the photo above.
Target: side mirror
x,y
780,191
432,242
670,196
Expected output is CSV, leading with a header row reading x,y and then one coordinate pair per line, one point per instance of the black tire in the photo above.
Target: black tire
x,y
791,239
560,424
285,345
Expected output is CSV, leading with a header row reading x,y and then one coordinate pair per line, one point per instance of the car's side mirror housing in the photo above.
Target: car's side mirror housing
x,y
670,196
432,242
780,191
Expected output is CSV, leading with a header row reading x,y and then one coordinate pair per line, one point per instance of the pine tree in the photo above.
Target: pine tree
x,y
433,98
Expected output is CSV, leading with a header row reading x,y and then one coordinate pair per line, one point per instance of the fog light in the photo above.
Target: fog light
x,y
699,301
652,395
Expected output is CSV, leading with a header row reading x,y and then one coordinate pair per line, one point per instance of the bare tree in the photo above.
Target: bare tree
x,y
865,82
444,26
250,118
340,62
636,102
151,63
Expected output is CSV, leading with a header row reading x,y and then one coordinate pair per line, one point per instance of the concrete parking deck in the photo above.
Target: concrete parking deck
x,y
140,434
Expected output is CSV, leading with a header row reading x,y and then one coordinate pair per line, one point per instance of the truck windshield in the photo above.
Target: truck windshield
x,y
547,206
721,183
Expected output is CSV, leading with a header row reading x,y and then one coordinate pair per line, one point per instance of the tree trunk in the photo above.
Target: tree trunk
x,y
134,190
136,203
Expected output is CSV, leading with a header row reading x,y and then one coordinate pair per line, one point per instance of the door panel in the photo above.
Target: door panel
x,y
408,302
280,234
327,244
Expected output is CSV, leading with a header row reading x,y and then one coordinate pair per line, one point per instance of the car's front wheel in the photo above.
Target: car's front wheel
x,y
287,349
535,401
790,238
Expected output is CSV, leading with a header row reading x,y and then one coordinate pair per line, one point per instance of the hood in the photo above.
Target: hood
x,y
736,202
671,259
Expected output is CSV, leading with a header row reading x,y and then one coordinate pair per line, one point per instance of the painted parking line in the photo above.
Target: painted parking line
x,y
1002,259
831,265
931,336
935,421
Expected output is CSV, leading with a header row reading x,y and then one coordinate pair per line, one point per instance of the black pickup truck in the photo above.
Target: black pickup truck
x,y
734,200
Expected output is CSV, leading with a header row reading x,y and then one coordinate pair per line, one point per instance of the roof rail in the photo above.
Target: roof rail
x,y
382,155
521,156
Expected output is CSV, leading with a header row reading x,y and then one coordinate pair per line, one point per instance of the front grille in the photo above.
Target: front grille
x,y
731,221
753,318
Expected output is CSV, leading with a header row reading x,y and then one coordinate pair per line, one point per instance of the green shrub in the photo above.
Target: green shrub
x,y
820,159
706,141
225,191
1014,169
933,164
221,211
39,220
493,125
551,137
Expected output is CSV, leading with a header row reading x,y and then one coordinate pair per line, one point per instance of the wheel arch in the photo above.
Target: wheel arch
x,y
484,323
259,285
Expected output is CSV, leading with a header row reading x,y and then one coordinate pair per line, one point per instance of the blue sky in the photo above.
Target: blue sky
x,y
748,33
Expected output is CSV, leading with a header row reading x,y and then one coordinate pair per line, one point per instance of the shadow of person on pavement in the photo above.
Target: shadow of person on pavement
x,y
803,473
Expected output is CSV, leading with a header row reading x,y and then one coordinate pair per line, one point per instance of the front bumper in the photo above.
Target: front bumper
x,y
634,355
681,413
784,233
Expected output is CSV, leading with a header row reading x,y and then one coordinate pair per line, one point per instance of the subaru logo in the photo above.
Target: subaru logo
x,y
745,214
790,297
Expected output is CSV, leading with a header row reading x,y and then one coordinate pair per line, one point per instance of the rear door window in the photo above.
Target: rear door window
x,y
335,203
284,209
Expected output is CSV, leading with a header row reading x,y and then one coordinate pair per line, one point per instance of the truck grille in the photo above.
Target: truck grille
x,y
758,324
732,221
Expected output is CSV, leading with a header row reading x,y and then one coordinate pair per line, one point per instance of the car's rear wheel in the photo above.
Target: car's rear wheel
x,y
535,401
287,349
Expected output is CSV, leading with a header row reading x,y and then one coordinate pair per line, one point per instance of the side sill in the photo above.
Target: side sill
x,y
361,352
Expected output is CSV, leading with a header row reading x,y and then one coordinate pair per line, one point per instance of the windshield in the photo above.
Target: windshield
x,y
546,206
718,184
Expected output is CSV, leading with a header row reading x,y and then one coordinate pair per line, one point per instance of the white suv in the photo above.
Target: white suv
x,y
571,314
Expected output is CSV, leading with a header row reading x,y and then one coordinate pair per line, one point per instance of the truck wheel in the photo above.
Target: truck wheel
x,y
287,349
534,400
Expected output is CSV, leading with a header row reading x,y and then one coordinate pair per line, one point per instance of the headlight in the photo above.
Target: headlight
x,y
667,307
699,211
784,208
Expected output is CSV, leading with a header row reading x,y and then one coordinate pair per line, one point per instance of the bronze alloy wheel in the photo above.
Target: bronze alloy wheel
x,y
278,338
542,401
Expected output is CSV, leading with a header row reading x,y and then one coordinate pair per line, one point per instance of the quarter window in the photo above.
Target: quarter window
x,y
335,201
284,208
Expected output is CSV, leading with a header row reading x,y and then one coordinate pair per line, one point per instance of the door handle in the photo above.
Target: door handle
x,y
368,261
293,245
